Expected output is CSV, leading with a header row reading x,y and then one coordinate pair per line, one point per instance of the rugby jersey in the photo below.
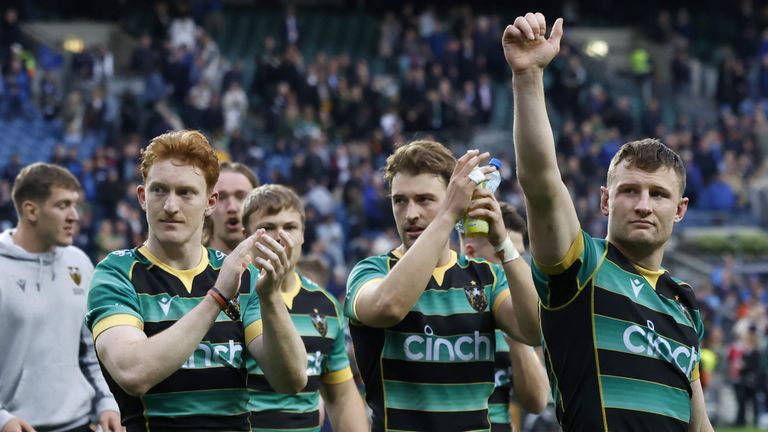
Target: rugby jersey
x,y
621,343
133,287
498,404
317,318
434,369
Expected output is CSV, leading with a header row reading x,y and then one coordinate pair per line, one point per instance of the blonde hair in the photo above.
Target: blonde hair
x,y
271,199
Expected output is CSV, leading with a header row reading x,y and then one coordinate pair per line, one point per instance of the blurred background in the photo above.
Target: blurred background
x,y
315,94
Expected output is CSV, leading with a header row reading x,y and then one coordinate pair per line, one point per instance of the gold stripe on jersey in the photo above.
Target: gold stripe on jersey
x,y
185,276
574,252
115,321
499,299
337,377
254,330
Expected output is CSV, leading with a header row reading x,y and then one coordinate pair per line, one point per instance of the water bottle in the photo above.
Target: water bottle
x,y
479,227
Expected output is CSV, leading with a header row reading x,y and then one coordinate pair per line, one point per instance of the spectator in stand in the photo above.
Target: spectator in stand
x,y
10,33
748,374
235,106
144,57
182,31
718,195
289,32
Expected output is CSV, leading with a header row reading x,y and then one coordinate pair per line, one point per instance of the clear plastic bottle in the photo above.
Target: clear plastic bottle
x,y
479,227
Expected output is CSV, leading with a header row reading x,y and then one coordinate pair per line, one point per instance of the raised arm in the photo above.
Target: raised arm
x,y
385,302
552,220
279,350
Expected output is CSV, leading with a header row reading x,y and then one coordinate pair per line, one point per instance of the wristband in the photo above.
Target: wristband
x,y
230,307
507,251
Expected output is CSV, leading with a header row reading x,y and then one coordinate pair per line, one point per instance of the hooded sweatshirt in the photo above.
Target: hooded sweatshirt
x,y
49,374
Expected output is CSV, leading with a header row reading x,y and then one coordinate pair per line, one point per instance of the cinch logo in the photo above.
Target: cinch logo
x,y
431,348
206,356
655,345
501,377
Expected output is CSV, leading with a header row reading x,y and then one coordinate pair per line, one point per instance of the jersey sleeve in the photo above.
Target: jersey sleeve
x,y
558,284
699,326
500,290
112,299
336,368
364,273
251,312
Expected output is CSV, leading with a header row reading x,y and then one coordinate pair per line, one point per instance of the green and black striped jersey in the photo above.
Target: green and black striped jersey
x,y
621,342
317,317
434,370
134,288
498,404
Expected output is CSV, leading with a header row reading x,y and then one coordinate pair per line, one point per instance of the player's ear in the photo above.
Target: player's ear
x,y
469,250
30,210
213,199
141,195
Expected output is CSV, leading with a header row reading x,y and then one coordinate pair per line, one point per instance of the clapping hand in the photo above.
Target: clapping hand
x,y
272,258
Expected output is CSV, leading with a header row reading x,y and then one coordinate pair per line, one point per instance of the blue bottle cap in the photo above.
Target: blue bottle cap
x,y
496,163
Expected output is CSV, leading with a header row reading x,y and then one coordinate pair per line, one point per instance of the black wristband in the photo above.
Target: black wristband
x,y
233,307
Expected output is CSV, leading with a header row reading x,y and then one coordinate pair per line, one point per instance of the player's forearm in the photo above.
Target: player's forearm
x,y
552,219
524,299
529,378
138,363
699,419
535,155
283,356
345,407
404,284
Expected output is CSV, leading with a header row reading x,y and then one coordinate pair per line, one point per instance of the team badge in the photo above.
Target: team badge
x,y
476,297
74,274
319,322
683,309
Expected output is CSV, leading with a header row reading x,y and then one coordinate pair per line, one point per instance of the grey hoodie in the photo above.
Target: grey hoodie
x,y
49,374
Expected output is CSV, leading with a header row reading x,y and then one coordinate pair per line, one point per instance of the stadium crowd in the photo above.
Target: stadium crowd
x,y
326,124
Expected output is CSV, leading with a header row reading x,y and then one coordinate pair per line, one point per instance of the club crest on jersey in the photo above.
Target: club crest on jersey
x,y
476,296
683,309
74,274
319,322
